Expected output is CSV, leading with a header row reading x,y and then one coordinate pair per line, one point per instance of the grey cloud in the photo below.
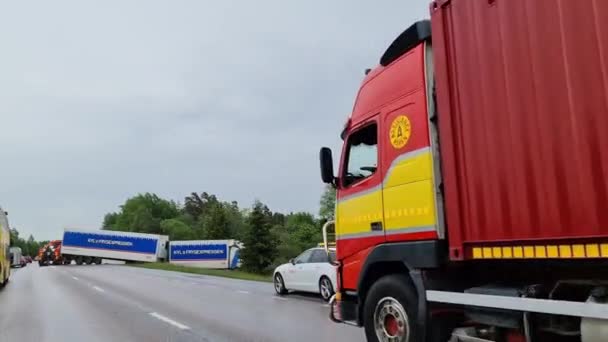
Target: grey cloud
x,y
103,99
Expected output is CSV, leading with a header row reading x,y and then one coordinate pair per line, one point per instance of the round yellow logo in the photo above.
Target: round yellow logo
x,y
400,132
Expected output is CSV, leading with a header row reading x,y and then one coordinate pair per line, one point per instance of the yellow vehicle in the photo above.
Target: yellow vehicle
x,y
5,238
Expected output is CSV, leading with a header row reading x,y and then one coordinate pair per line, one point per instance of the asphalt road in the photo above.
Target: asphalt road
x,y
121,303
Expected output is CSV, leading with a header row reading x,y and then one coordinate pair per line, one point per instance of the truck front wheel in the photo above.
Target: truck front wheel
x,y
389,312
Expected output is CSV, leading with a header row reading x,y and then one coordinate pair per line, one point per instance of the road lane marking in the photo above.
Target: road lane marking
x,y
279,298
75,278
98,289
242,291
169,320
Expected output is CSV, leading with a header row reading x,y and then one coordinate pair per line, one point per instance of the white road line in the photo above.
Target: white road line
x,y
242,291
204,285
279,298
169,320
98,289
75,278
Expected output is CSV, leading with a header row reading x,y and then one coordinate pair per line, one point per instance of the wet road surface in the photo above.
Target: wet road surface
x,y
121,303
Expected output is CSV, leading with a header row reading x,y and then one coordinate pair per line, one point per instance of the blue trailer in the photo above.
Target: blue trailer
x,y
221,254
86,246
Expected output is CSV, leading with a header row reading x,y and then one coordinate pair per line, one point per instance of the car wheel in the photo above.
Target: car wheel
x,y
279,284
326,289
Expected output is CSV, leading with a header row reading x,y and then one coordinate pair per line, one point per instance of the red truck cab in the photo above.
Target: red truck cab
x,y
474,175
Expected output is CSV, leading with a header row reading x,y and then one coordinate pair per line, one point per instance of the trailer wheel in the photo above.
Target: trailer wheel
x,y
78,260
389,312
97,261
88,260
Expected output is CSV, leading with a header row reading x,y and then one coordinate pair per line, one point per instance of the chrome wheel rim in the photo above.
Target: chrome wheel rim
x,y
278,284
391,322
325,289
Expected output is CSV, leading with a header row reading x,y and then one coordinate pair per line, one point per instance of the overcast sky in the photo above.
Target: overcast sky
x,y
100,100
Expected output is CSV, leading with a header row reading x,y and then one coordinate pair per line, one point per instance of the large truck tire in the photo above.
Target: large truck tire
x,y
88,260
389,312
79,260
97,261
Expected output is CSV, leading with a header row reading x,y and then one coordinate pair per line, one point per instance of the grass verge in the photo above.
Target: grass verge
x,y
234,274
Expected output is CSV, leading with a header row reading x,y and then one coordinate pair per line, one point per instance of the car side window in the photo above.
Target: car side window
x,y
319,256
362,155
332,256
304,257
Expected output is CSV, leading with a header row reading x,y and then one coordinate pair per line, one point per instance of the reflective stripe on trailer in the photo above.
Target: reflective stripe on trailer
x,y
545,251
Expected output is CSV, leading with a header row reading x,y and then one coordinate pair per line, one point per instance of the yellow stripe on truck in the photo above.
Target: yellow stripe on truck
x,y
409,205
406,195
411,167
409,199
355,214
564,251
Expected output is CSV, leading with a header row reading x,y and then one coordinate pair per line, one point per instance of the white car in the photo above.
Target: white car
x,y
311,271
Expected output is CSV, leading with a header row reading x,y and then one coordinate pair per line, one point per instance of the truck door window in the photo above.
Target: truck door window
x,y
362,155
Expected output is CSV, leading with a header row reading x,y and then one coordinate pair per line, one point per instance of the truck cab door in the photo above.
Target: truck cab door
x,y
409,197
359,213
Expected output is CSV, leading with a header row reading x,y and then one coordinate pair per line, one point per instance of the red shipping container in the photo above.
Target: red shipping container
x,y
523,117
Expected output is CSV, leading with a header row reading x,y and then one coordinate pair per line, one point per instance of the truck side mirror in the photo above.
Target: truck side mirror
x,y
327,165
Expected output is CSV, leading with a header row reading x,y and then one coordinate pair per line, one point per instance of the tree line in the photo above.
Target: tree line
x,y
28,246
270,238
